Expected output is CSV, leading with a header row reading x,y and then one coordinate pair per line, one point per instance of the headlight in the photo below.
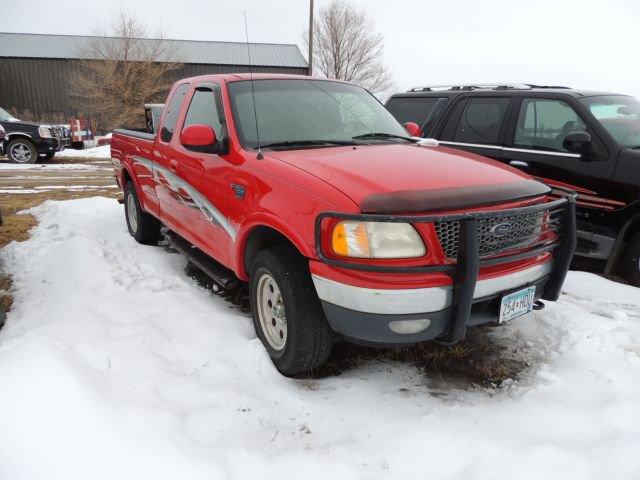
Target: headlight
x,y
44,132
376,240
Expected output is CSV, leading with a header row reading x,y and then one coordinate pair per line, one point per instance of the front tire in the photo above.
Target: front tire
x,y
21,150
631,260
145,228
287,314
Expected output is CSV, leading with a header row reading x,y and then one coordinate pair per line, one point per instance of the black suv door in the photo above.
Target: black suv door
x,y
477,124
534,143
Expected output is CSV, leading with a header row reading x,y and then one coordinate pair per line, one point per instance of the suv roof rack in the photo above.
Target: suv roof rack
x,y
482,86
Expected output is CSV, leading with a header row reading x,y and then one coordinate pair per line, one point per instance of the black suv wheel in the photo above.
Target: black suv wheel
x,y
21,150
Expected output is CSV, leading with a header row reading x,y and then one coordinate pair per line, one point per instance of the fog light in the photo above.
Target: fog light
x,y
407,327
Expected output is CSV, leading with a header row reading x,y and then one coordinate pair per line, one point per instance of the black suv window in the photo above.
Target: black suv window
x,y
171,115
481,120
413,109
205,109
543,124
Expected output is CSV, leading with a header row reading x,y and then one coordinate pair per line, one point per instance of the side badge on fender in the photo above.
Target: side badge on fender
x,y
238,190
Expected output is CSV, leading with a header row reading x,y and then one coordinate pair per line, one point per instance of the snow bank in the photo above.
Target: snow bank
x,y
115,364
48,167
95,152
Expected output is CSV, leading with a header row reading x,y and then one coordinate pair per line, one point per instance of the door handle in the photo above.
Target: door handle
x,y
173,165
518,163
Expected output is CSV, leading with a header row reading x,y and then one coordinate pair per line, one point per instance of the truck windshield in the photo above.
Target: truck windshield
x,y
620,115
311,111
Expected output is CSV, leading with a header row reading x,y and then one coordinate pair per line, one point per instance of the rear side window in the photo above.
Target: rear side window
x,y
173,110
543,124
481,120
414,109
205,109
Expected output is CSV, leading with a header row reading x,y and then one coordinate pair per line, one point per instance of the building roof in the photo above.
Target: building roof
x,y
32,45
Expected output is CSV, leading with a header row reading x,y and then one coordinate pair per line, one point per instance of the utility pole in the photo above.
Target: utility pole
x,y
310,37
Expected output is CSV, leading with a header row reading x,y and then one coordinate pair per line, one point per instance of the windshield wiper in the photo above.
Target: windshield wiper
x,y
382,136
306,143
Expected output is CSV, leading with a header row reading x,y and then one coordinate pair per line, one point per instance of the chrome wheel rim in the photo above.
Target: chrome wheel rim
x,y
21,152
132,213
271,312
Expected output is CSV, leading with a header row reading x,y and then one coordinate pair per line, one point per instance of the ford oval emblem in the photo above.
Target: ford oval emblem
x,y
501,229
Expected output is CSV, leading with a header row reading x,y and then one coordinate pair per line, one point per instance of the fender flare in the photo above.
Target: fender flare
x,y
269,221
618,245
134,179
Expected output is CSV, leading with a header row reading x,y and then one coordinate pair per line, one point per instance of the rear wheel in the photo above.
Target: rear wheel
x,y
21,150
143,227
287,314
631,260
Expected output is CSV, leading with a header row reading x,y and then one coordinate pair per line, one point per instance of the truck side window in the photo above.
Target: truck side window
x,y
543,124
481,121
173,110
205,109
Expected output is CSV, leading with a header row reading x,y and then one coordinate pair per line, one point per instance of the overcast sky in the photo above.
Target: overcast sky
x,y
591,44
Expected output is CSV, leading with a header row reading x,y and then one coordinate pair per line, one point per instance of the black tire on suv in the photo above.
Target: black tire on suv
x,y
143,227
21,150
287,314
631,260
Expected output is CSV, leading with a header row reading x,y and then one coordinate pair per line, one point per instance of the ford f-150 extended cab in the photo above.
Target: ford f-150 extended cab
x,y
342,225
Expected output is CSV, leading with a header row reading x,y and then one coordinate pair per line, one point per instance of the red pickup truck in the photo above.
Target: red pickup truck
x,y
343,226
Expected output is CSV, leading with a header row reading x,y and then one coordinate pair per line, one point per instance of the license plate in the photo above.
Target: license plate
x,y
516,304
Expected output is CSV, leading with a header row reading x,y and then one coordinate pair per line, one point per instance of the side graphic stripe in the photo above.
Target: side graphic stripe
x,y
179,187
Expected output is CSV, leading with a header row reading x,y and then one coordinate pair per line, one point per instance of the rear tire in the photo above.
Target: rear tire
x,y
145,228
631,260
287,314
21,150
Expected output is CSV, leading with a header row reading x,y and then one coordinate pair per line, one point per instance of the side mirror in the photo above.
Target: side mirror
x,y
577,142
198,136
413,129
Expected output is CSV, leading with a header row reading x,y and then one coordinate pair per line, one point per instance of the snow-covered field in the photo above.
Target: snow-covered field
x,y
114,364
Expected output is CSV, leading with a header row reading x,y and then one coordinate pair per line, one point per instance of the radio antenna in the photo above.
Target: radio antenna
x,y
253,92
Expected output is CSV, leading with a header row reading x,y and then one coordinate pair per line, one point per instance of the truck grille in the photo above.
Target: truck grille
x,y
495,235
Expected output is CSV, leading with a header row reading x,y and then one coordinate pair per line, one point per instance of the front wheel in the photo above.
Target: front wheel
x,y
631,260
145,228
287,314
22,150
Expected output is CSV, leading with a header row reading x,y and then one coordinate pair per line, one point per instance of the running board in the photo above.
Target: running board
x,y
217,272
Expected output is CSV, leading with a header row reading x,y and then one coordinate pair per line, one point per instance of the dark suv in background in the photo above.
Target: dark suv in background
x,y
26,142
586,141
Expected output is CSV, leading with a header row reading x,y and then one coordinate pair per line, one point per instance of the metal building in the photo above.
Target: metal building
x,y
35,68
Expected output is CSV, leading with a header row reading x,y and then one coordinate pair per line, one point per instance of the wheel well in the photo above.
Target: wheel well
x,y
260,238
126,178
634,228
13,136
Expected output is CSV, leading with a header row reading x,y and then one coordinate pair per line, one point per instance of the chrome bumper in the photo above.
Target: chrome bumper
x,y
419,300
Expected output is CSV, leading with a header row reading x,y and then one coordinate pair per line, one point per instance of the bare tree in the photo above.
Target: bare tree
x,y
121,71
346,47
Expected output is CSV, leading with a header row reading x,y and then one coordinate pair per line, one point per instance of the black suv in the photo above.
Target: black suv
x,y
586,141
25,142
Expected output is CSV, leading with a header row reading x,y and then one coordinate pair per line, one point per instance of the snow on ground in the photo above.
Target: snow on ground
x,y
114,364
95,152
47,167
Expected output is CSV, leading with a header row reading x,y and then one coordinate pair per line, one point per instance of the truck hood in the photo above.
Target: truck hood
x,y
410,178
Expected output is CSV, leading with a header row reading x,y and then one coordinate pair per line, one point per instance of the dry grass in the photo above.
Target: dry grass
x,y
16,225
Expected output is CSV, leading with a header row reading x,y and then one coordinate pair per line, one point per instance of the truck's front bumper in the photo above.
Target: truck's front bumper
x,y
405,317
400,316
